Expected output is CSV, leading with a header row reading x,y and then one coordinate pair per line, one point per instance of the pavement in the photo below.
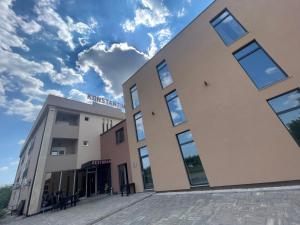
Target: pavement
x,y
279,206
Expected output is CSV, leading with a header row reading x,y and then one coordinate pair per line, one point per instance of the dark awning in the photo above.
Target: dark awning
x,y
95,163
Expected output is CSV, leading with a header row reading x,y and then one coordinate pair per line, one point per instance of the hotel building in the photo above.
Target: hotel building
x,y
63,153
220,104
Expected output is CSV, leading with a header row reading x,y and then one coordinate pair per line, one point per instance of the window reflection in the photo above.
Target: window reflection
x,y
134,97
139,126
175,108
287,108
146,169
164,74
261,69
228,28
191,159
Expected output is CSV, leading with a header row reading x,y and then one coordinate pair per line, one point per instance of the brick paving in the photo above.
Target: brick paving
x,y
273,207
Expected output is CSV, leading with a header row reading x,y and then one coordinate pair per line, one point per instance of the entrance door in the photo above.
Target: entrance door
x,y
90,184
123,176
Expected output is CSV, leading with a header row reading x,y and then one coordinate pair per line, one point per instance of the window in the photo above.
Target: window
x,y
191,159
259,66
164,74
287,108
120,135
139,126
85,143
146,169
69,118
227,27
175,108
134,97
86,118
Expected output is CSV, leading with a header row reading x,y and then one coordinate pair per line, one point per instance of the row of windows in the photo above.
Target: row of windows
x,y
189,152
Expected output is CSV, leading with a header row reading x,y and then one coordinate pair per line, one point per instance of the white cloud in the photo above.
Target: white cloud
x,y
10,23
14,163
164,36
3,168
152,48
47,14
114,64
21,142
151,14
66,76
26,109
271,70
181,13
79,96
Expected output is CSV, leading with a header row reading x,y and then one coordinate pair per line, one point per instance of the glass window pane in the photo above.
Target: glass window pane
x,y
176,111
219,18
246,50
185,137
286,101
134,97
228,28
261,69
139,129
292,122
164,75
193,164
143,151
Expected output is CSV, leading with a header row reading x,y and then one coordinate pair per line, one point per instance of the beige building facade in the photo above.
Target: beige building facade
x,y
219,105
61,153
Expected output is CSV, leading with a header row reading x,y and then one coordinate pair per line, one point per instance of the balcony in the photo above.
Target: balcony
x,y
66,125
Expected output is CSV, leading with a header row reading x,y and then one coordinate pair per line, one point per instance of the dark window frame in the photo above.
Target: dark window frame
x,y
118,139
236,20
167,101
265,52
181,152
130,90
136,133
160,66
141,166
86,118
285,111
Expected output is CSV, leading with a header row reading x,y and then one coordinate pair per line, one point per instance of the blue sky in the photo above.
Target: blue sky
x,y
73,47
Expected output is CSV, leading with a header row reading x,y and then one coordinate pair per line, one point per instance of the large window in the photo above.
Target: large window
x,y
164,74
134,97
287,108
259,66
139,126
175,108
191,159
146,169
120,135
65,117
228,28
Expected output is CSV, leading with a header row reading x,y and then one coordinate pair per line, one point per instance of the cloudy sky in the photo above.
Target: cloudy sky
x,y
72,47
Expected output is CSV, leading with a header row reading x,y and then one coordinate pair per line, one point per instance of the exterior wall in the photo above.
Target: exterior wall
x,y
90,131
38,183
239,138
118,153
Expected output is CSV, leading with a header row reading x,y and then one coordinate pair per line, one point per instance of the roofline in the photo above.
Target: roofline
x,y
172,40
122,121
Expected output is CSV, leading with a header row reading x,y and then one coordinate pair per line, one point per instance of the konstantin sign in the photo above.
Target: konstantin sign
x,y
105,101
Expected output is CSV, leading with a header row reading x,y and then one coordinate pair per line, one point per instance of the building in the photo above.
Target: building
x,y
219,105
114,147
61,153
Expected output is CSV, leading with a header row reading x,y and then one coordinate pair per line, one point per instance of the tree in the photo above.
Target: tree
x,y
5,193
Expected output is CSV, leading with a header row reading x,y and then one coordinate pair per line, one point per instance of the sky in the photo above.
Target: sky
x,y
73,47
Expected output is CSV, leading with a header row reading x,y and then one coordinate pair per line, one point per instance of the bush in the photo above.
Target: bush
x,y
5,193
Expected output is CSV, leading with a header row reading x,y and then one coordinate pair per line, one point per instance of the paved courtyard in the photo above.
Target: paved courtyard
x,y
272,207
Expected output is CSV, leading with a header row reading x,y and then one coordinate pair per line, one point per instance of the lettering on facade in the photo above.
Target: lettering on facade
x,y
105,101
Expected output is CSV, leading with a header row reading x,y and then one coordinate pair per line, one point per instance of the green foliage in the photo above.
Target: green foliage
x,y
5,193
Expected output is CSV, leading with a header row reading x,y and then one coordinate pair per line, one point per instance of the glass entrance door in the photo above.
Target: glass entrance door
x,y
91,184
146,169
